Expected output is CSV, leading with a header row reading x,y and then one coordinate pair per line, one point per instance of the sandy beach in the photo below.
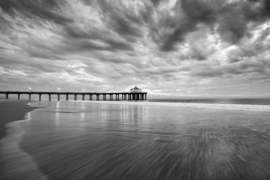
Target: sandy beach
x,y
109,140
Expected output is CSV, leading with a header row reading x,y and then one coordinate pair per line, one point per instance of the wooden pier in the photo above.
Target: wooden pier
x,y
129,96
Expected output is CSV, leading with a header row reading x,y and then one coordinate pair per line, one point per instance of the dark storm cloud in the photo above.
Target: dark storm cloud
x,y
194,12
178,35
4,25
124,27
77,46
231,18
46,9
264,10
118,45
123,22
76,32
43,55
156,2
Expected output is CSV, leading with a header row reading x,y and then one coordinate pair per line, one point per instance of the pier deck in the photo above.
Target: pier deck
x,y
131,96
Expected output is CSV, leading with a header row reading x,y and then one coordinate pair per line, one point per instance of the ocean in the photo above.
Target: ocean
x,y
165,139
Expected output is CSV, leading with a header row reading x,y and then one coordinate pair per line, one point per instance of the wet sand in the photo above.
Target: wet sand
x,y
100,141
12,110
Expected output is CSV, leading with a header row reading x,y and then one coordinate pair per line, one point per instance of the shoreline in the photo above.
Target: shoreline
x,y
12,110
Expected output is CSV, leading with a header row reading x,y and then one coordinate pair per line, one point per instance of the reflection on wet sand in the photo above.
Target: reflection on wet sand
x,y
108,141
57,112
82,111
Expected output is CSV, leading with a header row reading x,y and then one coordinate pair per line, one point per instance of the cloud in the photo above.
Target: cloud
x,y
163,46
47,9
113,44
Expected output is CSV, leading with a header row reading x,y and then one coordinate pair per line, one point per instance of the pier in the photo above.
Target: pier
x,y
128,96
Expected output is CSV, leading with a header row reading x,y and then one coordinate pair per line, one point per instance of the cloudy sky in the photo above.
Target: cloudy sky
x,y
167,47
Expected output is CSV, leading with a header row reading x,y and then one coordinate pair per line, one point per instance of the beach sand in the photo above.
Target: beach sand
x,y
108,140
12,110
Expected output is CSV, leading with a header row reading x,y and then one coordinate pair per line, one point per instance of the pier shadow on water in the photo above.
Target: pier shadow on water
x,y
80,140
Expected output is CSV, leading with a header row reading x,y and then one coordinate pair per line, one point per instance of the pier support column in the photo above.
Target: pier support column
x,y
39,97
58,97
90,97
67,97
75,97
83,97
104,97
50,97
111,97
19,96
29,96
97,97
6,95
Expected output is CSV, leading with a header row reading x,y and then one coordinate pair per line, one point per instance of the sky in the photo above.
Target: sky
x,y
165,47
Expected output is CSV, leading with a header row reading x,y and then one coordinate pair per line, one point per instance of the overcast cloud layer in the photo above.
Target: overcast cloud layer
x,y
177,47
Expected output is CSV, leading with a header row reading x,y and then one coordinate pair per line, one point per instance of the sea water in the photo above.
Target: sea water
x,y
141,140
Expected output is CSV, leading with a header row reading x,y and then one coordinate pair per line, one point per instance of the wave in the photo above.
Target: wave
x,y
17,164
237,107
